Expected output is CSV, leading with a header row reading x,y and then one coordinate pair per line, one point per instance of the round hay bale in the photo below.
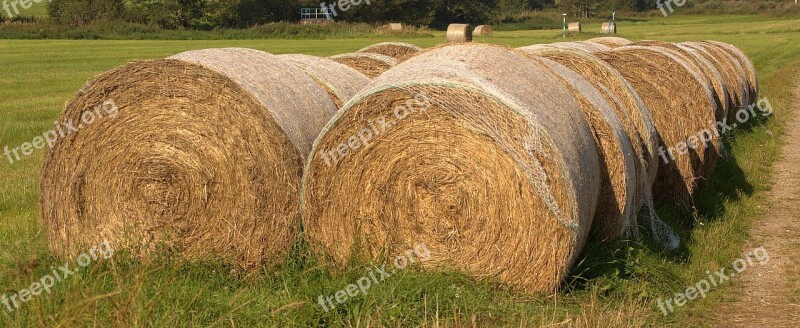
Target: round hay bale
x,y
612,41
634,118
708,70
499,179
681,107
616,205
587,47
340,81
608,28
395,26
747,65
574,27
459,33
370,64
735,83
203,158
483,30
397,50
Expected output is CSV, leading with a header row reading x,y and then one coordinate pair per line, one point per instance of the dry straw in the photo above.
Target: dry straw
x,y
749,70
370,64
397,50
203,159
708,70
483,30
616,205
395,26
459,33
340,81
612,41
735,82
574,27
499,179
681,107
634,118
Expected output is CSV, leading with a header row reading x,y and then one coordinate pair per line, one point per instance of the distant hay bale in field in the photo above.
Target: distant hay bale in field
x,y
634,118
736,84
608,28
370,64
397,50
203,158
340,81
395,26
747,66
483,30
612,41
574,27
459,33
704,66
682,109
499,179
616,205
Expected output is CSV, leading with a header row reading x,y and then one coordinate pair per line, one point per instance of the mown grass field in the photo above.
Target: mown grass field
x,y
615,284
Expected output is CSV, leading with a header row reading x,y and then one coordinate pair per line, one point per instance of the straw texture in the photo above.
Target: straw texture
x,y
498,175
483,30
397,50
340,81
459,33
203,159
369,64
612,41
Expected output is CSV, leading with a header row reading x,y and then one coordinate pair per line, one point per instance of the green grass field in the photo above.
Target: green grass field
x,y
615,285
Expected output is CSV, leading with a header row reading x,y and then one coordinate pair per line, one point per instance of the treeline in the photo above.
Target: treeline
x,y
210,14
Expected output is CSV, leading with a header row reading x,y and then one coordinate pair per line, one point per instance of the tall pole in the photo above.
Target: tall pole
x,y
565,24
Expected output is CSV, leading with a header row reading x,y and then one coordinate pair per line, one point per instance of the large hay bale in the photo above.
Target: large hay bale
x,y
499,179
707,68
681,107
340,81
483,30
203,158
736,84
634,118
397,50
459,33
395,26
574,27
617,205
612,41
370,64
749,69
608,28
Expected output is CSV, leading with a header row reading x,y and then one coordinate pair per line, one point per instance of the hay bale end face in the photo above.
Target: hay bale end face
x,y
208,168
369,64
459,33
397,50
464,165
483,30
395,26
574,27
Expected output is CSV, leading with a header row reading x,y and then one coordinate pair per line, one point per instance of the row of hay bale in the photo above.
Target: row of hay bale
x,y
504,162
